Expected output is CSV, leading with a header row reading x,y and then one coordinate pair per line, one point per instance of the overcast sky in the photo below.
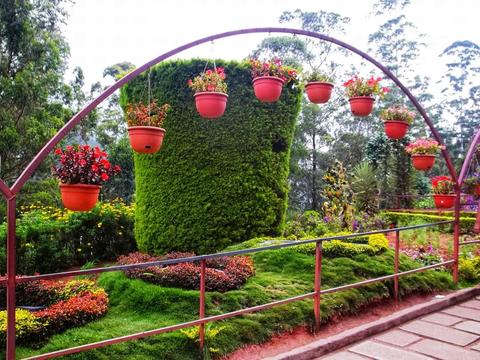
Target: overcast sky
x,y
105,32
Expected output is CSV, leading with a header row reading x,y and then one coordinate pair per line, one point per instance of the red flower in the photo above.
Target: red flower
x,y
106,164
58,151
116,168
94,167
82,162
104,177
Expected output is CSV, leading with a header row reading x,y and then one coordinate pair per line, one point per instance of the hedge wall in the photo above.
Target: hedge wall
x,y
214,182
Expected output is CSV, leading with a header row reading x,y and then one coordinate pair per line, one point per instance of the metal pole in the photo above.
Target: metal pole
x,y
456,235
397,257
201,333
11,268
318,284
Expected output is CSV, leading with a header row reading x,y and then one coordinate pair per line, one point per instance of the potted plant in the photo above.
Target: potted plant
x,y
423,153
443,191
82,170
319,87
145,126
472,184
210,92
396,120
269,78
362,93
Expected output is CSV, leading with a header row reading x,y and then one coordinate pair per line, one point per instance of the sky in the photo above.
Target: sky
x,y
104,32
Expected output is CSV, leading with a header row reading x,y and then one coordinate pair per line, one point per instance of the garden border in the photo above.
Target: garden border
x,y
10,193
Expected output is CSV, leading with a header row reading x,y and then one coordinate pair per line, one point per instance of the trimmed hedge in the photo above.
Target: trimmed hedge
x,y
405,219
214,182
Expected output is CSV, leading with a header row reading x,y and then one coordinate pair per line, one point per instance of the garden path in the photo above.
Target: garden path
x,y
451,333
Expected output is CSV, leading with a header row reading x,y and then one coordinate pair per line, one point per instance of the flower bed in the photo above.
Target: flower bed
x,y
66,304
222,274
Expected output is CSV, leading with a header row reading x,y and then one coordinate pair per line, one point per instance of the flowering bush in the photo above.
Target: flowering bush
x,y
358,86
398,113
221,274
210,80
443,185
424,147
471,183
147,115
315,75
82,164
424,255
273,67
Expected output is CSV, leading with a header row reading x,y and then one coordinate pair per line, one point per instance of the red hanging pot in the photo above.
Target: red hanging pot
x,y
395,129
146,139
423,162
444,201
210,105
319,92
79,197
361,105
268,88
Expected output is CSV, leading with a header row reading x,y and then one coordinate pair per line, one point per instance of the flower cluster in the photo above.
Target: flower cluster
x,y
83,164
398,113
442,185
424,147
358,86
315,75
210,80
425,255
147,115
273,67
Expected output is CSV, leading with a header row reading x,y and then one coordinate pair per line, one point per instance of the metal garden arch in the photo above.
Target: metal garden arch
x,y
10,193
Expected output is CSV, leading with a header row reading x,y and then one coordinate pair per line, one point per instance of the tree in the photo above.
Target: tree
x,y
365,188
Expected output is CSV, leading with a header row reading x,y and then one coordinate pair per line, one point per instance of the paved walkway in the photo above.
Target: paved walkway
x,y
450,334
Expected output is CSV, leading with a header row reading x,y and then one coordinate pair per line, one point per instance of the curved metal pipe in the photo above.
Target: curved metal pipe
x,y
468,158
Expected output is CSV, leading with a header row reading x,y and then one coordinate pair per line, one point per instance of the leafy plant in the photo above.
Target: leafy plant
x,y
365,188
398,113
358,86
210,81
273,67
211,332
471,183
83,164
139,114
443,185
315,75
424,147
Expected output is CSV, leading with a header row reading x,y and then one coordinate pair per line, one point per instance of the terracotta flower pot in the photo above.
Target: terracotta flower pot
x,y
146,139
210,105
423,162
395,129
79,197
444,201
268,88
361,105
319,92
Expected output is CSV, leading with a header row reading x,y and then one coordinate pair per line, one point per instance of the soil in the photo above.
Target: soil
x,y
301,336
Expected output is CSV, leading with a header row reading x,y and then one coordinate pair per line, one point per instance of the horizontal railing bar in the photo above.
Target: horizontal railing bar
x,y
228,315
469,242
213,256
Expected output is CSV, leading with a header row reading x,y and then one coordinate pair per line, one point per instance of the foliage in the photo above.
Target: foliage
x,y
273,67
221,274
28,327
209,80
358,86
426,255
471,182
443,185
309,223
469,269
147,115
82,164
211,332
365,188
398,113
424,147
316,75
214,183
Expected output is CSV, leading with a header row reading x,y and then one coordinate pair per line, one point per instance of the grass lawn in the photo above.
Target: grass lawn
x,y
137,306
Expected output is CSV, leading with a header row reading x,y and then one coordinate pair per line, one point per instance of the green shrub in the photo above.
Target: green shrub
x,y
469,269
214,182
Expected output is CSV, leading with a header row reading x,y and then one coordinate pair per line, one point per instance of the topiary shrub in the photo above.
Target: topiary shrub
x,y
221,274
214,182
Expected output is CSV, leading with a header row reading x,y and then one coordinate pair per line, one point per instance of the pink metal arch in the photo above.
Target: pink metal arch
x,y
10,193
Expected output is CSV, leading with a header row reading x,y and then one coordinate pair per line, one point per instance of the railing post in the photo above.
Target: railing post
x,y
318,284
397,259
11,273
201,332
456,236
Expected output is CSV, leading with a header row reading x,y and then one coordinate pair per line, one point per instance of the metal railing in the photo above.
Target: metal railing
x,y
202,320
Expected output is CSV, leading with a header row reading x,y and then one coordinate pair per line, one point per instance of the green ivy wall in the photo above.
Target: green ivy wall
x,y
214,182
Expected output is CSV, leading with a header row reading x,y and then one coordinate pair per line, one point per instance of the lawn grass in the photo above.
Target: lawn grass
x,y
137,306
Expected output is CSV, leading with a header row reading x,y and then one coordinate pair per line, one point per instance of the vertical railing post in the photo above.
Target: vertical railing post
x,y
11,273
318,284
201,333
397,259
456,235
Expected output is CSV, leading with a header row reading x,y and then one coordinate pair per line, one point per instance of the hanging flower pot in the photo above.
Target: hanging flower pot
x,y
423,162
145,126
79,197
146,139
423,153
319,92
395,129
397,119
82,170
210,105
444,201
268,88
210,93
361,105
